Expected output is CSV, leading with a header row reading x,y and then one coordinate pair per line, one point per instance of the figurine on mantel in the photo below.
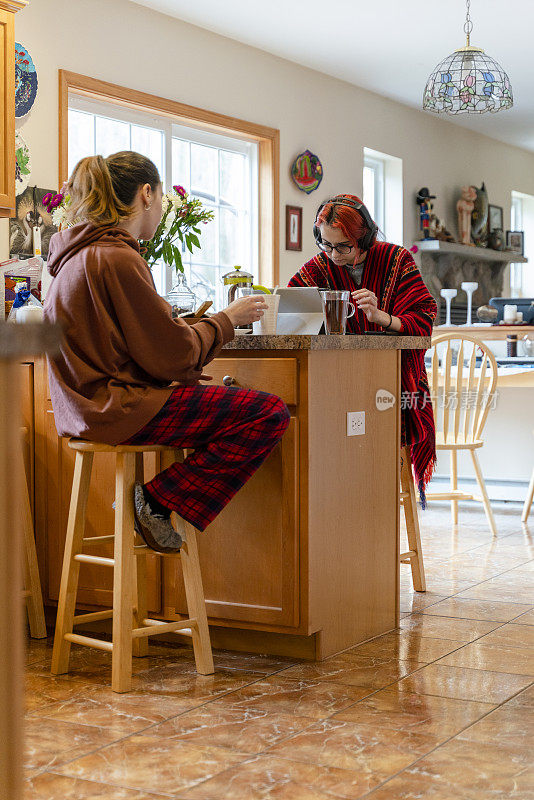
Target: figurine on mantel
x,y
464,207
423,199
431,225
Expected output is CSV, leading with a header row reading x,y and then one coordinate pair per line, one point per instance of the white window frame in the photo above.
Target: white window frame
x,y
516,224
166,278
388,187
376,165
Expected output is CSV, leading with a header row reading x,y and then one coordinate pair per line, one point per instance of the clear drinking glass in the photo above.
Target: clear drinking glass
x,y
336,310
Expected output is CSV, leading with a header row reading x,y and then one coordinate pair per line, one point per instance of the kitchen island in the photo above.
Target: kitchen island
x,y
304,560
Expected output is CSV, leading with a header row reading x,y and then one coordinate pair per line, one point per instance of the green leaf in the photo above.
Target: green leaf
x,y
177,259
194,239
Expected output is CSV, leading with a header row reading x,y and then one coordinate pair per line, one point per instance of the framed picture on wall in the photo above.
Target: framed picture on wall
x,y
293,228
495,218
515,241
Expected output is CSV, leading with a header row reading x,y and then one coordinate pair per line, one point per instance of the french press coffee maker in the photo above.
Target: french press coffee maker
x,y
236,279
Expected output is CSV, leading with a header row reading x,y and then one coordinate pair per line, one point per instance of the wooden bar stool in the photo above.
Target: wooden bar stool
x,y
413,556
32,583
131,624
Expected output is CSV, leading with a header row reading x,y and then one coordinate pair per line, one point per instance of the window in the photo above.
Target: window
x,y
522,219
230,165
382,192
220,170
374,190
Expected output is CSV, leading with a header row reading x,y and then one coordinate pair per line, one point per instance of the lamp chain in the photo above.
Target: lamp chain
x,y
468,26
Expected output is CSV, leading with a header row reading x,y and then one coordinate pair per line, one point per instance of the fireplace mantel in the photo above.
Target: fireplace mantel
x,y
437,248
445,265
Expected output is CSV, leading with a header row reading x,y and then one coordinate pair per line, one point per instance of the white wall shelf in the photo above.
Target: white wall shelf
x,y
435,247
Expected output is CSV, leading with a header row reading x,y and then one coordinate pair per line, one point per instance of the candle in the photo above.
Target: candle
x,y
510,313
30,314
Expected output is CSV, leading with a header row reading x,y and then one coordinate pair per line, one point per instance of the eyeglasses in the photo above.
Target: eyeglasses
x,y
342,249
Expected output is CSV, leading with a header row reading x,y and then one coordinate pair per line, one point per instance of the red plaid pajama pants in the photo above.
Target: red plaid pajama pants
x,y
232,431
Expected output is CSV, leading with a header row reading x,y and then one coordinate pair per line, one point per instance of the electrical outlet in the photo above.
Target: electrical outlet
x,y
355,423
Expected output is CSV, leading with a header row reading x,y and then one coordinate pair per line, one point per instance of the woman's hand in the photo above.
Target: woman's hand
x,y
368,303
245,310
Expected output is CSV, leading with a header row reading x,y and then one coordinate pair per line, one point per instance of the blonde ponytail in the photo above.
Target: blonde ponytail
x,y
102,190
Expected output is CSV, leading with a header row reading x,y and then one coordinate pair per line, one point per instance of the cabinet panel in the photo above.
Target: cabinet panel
x,y
7,113
275,375
96,582
28,421
249,554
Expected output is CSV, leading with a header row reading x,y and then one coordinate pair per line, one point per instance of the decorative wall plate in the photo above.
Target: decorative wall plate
x,y
23,164
25,81
307,171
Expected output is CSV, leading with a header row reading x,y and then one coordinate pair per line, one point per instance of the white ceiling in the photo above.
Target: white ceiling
x,y
387,46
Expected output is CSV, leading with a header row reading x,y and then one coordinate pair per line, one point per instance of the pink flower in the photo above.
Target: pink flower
x,y
469,81
180,190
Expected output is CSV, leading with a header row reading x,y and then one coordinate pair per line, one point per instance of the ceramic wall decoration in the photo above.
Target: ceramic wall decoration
x,y
23,166
307,171
25,81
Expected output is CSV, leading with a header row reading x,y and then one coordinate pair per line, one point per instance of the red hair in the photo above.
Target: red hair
x,y
344,217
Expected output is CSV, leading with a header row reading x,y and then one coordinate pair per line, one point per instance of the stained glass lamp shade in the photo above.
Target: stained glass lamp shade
x,y
468,82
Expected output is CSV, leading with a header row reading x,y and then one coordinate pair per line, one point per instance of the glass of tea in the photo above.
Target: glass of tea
x,y
336,310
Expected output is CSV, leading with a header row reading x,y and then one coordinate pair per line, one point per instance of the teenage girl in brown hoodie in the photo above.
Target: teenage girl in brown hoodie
x,y
129,373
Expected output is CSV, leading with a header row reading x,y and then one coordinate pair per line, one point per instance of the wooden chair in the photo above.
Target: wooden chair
x,y
528,500
131,624
32,582
413,556
462,400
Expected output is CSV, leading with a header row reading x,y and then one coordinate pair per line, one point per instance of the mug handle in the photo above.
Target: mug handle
x,y
353,310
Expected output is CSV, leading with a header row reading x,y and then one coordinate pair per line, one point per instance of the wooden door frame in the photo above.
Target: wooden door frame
x,y
268,140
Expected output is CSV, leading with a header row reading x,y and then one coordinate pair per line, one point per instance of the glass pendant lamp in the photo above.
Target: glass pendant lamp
x,y
468,81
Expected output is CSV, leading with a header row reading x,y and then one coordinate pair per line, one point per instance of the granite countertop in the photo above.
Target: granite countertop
x,y
28,339
322,342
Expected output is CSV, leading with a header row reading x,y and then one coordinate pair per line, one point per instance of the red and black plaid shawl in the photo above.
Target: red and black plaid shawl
x,y
390,272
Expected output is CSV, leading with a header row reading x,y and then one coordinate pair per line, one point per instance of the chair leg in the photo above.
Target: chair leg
x,y
71,569
484,493
32,581
194,591
529,499
140,645
412,524
454,486
196,603
123,574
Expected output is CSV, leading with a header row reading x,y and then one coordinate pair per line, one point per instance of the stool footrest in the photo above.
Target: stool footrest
x,y
98,539
103,562
94,615
99,644
406,557
155,626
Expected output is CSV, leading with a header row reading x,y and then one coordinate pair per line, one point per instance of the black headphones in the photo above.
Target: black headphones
x,y
368,237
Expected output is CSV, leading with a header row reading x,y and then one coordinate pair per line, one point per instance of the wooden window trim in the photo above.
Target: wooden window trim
x,y
268,140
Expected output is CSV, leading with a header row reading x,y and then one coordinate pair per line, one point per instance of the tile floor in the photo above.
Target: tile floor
x,y
441,709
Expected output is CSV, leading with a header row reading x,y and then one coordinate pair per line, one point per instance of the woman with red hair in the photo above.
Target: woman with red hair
x,y
389,295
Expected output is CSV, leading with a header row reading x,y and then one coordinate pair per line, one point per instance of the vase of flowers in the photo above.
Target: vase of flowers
x,y
180,220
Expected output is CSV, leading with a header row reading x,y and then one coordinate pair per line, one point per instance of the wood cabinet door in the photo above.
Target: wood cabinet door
x,y
249,554
96,582
7,113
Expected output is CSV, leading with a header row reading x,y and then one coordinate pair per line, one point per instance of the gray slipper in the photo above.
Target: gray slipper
x,y
156,532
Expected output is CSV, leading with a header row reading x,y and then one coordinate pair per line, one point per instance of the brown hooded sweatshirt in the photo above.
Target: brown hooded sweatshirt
x,y
121,348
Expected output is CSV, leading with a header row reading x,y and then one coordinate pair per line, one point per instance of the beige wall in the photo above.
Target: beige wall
x,y
124,43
